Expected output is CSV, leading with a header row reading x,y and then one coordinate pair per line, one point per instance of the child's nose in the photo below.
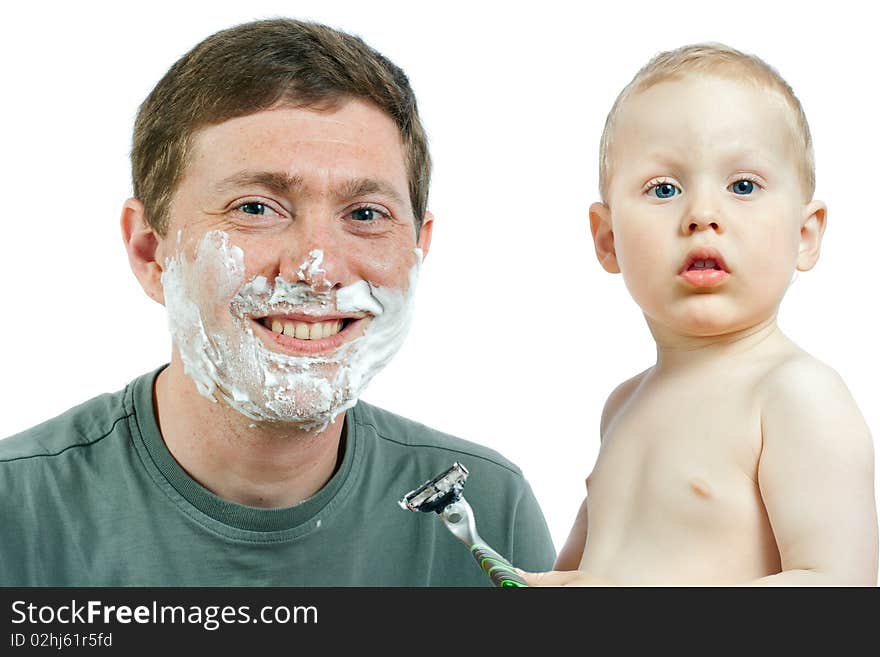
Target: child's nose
x,y
702,214
703,223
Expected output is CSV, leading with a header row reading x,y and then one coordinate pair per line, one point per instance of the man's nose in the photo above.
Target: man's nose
x,y
702,213
312,254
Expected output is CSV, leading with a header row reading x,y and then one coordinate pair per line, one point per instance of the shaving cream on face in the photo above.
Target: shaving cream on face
x,y
210,306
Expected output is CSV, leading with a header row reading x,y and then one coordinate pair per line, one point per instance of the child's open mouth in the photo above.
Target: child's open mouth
x,y
707,263
704,267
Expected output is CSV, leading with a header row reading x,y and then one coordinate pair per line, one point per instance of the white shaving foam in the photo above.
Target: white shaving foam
x,y
311,267
210,304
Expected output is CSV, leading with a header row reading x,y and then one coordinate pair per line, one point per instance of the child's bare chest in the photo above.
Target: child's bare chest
x,y
679,457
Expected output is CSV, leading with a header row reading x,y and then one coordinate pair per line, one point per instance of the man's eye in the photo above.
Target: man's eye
x,y
665,190
366,214
253,208
742,187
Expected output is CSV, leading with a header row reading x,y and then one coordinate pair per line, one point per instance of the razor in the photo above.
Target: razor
x,y
443,495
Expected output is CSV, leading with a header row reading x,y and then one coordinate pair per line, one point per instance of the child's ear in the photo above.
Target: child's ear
x,y
812,229
603,237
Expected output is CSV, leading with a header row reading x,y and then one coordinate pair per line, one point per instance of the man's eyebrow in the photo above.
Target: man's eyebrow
x,y
283,183
277,181
363,186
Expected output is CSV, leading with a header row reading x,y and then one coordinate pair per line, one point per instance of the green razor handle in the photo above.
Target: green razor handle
x,y
459,519
496,567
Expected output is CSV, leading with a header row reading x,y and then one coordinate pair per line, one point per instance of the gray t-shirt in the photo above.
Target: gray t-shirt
x,y
94,498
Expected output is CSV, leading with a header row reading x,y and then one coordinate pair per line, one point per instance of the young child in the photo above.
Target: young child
x,y
737,458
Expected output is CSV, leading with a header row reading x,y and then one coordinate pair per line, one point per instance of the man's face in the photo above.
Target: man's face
x,y
290,259
706,203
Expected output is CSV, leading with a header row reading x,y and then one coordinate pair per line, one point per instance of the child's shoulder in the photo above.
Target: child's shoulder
x,y
804,401
619,397
799,376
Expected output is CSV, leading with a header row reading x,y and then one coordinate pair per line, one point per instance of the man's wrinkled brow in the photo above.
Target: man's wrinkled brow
x,y
283,183
276,181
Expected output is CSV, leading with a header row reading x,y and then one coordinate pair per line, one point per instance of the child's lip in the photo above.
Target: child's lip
x,y
704,277
702,253
704,266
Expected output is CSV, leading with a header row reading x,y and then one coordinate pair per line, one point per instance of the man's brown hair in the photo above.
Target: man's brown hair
x,y
252,67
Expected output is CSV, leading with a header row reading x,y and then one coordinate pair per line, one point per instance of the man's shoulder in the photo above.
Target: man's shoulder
x,y
406,434
82,425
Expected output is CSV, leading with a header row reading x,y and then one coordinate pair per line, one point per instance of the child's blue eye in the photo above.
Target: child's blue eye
x,y
665,190
742,187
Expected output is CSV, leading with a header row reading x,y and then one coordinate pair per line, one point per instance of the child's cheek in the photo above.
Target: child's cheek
x,y
636,249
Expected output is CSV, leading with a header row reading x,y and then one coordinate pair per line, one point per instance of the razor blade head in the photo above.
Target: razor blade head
x,y
437,493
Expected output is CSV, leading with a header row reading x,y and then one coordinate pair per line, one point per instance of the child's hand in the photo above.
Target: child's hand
x,y
563,578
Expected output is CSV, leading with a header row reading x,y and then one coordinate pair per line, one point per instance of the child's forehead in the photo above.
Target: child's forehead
x,y
718,96
718,112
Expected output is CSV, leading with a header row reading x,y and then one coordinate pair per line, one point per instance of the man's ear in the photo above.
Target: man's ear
x,y
812,229
142,245
603,237
424,240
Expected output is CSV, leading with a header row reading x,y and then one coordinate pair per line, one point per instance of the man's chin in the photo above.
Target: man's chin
x,y
313,405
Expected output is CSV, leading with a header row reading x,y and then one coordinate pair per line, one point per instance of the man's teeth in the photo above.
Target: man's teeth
x,y
306,330
707,263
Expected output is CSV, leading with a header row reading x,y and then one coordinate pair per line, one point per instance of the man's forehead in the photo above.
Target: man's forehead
x,y
350,149
350,118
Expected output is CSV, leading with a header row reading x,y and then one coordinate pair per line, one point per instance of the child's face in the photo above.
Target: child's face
x,y
706,216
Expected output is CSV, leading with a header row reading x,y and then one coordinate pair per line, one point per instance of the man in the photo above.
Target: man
x,y
280,178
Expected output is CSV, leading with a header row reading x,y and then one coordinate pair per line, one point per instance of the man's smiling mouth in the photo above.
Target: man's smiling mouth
x,y
304,330
304,335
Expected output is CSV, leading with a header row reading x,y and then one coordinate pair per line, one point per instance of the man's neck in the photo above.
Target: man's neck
x,y
259,464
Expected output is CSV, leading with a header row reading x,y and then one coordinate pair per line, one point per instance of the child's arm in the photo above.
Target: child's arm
x,y
569,557
816,476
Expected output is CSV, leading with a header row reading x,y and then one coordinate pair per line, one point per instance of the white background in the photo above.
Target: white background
x,y
519,335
